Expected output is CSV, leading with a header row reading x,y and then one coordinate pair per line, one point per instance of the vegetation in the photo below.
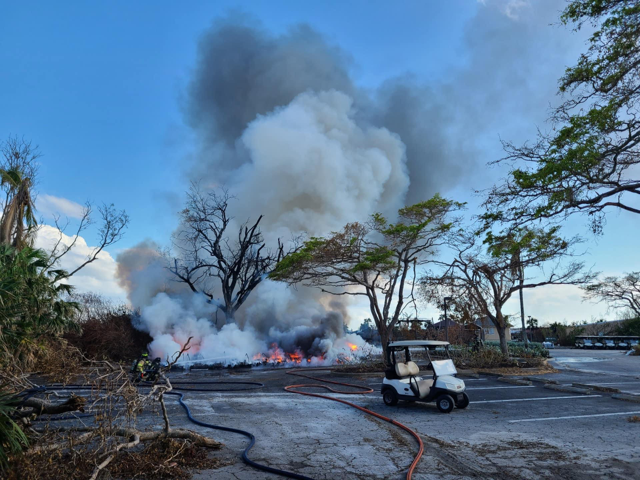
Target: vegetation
x,y
105,330
587,163
618,292
33,308
378,261
12,438
208,261
488,275
35,305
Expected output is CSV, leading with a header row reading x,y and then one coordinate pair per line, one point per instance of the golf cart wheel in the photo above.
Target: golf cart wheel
x,y
464,403
445,403
390,397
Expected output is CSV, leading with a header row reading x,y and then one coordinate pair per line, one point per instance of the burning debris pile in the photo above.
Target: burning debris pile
x,y
171,319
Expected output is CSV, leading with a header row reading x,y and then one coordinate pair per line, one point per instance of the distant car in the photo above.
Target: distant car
x,y
548,345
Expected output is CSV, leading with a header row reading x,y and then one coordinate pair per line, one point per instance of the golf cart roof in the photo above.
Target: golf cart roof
x,y
418,343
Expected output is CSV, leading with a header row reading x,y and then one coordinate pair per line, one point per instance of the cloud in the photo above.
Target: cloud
x,y
556,303
51,206
98,276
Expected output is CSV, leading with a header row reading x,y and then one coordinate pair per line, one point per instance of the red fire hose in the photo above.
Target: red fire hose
x,y
363,390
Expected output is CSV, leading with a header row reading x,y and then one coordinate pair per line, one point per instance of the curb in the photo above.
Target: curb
x,y
515,381
468,373
597,387
542,380
560,388
626,397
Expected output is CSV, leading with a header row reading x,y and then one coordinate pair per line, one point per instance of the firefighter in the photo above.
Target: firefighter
x,y
141,365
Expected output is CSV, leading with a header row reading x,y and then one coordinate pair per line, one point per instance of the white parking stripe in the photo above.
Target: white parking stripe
x,y
612,383
572,416
537,399
475,379
499,388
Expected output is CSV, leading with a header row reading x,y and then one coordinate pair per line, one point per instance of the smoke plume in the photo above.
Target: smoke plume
x,y
281,123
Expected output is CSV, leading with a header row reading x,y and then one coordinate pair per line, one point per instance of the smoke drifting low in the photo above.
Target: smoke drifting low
x,y
280,122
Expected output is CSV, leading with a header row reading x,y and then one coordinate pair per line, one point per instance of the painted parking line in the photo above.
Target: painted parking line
x,y
501,388
475,379
613,383
572,416
537,399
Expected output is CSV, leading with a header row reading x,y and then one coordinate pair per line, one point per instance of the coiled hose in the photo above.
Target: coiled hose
x,y
364,390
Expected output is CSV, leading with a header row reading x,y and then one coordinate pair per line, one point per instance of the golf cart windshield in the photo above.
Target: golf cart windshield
x,y
444,367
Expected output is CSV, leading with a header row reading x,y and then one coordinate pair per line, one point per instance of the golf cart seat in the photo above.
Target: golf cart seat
x,y
410,369
406,369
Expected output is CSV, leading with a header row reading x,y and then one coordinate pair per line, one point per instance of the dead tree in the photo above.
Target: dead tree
x,y
488,276
112,226
210,261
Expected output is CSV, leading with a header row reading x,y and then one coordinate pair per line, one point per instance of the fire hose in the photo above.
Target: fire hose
x,y
364,390
180,395
180,388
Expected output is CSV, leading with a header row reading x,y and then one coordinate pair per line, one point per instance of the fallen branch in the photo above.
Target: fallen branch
x,y
196,438
112,455
43,407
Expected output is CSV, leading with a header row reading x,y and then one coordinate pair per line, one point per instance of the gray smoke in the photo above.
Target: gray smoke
x,y
450,127
281,123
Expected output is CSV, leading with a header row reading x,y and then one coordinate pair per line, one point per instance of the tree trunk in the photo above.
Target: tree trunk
x,y
230,317
524,328
384,338
502,333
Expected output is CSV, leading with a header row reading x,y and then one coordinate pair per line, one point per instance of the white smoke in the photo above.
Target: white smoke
x,y
311,167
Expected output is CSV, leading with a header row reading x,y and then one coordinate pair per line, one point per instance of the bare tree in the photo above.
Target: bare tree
x,y
112,226
618,292
489,276
378,261
209,260
18,224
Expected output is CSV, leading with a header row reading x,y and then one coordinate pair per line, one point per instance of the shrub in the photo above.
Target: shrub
x,y
107,332
33,309
12,438
488,357
519,349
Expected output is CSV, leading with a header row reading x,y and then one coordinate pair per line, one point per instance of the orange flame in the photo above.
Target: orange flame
x,y
352,346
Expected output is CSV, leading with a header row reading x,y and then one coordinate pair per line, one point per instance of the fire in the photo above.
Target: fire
x,y
352,346
277,356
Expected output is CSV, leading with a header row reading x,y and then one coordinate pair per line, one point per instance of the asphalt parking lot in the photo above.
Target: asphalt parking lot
x,y
508,431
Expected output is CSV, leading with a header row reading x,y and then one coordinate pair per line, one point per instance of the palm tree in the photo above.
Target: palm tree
x,y
31,305
18,216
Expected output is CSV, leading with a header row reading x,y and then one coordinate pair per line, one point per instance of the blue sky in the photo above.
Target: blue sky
x,y
100,87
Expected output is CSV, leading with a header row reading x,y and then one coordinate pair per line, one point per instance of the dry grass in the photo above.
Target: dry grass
x,y
634,419
162,459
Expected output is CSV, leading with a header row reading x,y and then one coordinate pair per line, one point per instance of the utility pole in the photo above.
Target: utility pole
x,y
446,322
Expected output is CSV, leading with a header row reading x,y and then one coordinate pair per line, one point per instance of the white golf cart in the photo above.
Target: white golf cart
x,y
438,383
